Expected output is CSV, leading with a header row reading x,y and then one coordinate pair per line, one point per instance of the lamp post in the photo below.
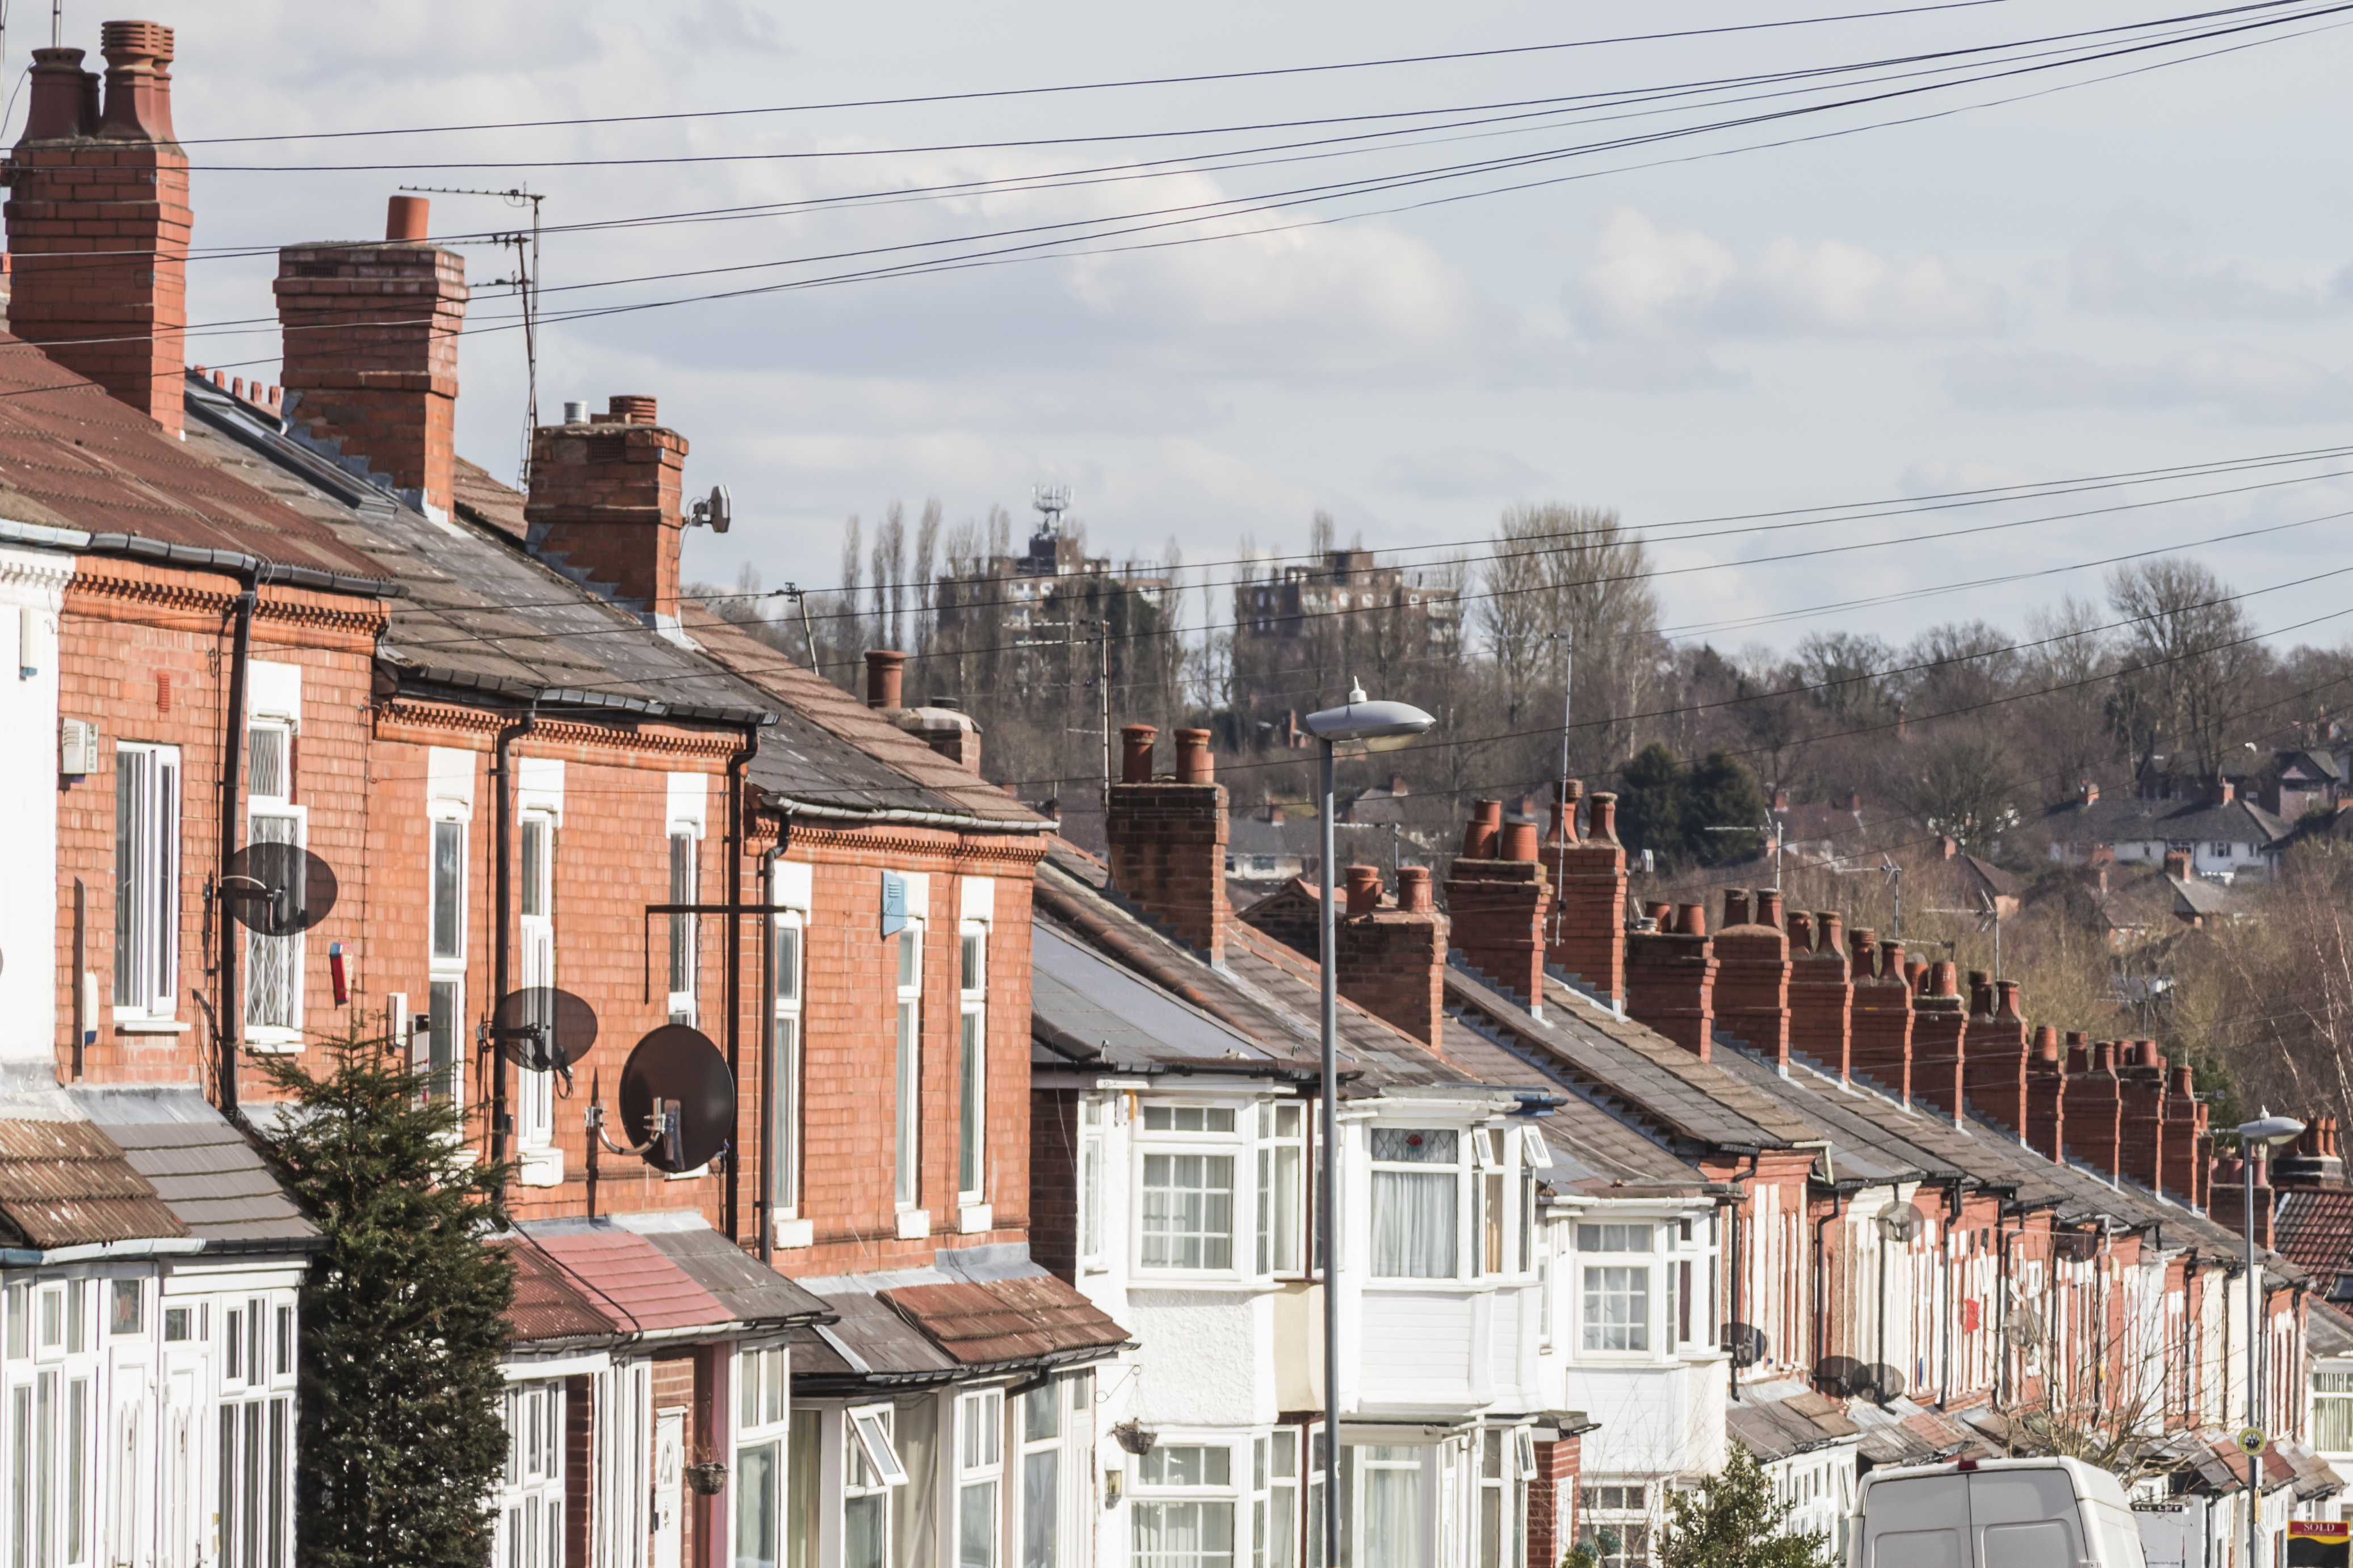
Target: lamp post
x,y
1381,727
2265,1132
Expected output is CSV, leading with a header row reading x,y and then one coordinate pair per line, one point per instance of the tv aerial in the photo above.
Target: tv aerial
x,y
277,890
714,512
543,1029
1053,501
677,1101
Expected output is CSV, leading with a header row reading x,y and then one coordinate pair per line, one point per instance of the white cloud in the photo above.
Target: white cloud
x,y
2249,385
1462,471
2132,269
1648,279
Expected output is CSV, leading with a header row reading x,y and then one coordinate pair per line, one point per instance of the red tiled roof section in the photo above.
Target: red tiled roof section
x,y
548,1304
66,1183
72,457
625,1272
1006,1319
2314,1229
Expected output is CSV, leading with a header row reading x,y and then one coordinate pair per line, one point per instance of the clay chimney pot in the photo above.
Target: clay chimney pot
x,y
1479,834
1769,907
1601,819
631,408
1830,931
1801,932
1194,763
1136,753
1692,918
407,219
885,670
1519,842
1415,894
1736,907
2006,1006
1364,890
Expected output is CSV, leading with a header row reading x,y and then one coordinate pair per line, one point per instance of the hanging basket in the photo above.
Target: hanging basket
x,y
708,1480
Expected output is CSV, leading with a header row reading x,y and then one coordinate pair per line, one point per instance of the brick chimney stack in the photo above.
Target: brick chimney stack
x,y
98,221
2142,1134
1940,1025
1392,958
2046,1081
2177,865
1995,1073
1671,979
1587,940
1167,838
1881,1051
1497,901
2094,1109
605,505
2189,1152
371,352
1752,975
2226,1205
1821,994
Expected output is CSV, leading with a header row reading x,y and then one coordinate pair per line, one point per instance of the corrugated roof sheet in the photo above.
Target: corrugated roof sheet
x,y
750,1292
67,1184
627,1277
986,1323
72,457
212,1177
870,1341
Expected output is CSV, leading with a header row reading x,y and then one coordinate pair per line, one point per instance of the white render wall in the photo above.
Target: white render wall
x,y
33,925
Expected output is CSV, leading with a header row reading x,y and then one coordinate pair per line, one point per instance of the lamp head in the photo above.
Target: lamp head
x,y
2268,1130
1381,726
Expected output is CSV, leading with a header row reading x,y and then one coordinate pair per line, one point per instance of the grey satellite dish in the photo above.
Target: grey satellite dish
x,y
678,1100
717,510
543,1029
277,890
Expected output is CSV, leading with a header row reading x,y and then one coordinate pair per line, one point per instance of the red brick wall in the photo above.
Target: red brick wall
x,y
1169,856
2093,1110
579,1468
1392,963
1054,1181
1551,1531
1590,941
1497,909
2141,1148
1939,1043
1752,988
1820,996
609,495
1881,1014
1998,1055
1671,986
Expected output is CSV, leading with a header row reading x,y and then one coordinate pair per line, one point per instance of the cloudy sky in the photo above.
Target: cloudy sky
x,y
2093,277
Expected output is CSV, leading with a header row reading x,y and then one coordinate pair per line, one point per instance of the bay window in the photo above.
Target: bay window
x,y
1388,1532
2332,1412
1274,1499
870,1468
531,1500
980,1473
1281,1192
1416,1171
758,1483
1042,1472
1188,1197
1176,1531
1615,1261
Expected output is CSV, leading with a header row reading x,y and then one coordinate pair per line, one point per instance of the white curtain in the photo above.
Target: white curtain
x,y
1413,1225
1185,1534
1391,1533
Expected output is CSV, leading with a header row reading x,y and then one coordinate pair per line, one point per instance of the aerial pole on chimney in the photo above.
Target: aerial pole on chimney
x,y
525,283
1568,691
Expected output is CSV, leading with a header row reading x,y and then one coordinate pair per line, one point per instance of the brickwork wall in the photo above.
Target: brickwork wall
x,y
1392,963
2141,1132
1588,940
1820,996
1551,1530
1999,1050
2093,1110
2187,1167
1940,1023
1671,986
1168,844
371,344
99,228
1881,1031
145,652
609,496
1291,914
1054,1181
1497,909
579,1466
1752,987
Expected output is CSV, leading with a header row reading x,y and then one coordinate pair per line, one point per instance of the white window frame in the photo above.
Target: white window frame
x,y
972,1064
870,1468
1281,1196
534,1103
1596,1514
1501,1470
49,1418
1599,1240
764,1410
1456,1170
531,1500
1157,1498
147,891
907,1105
684,849
274,965
789,959
445,991
1231,1144
1275,1480
1054,1397
980,1434
254,1459
1092,1177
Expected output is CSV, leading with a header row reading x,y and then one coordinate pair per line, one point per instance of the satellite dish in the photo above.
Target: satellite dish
x,y
678,1100
2022,1327
277,890
1842,1376
1903,1223
1881,1384
1745,1342
717,510
543,1029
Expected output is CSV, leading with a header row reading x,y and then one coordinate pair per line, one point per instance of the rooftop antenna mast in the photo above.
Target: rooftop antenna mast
x,y
525,283
1053,501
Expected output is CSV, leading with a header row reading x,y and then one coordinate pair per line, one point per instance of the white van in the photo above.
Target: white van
x,y
1994,1514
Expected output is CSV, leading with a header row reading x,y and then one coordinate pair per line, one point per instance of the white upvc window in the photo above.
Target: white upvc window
x,y
980,1475
1183,1516
1094,1112
684,878
1281,1187
273,964
2332,1412
1614,1523
254,1520
908,1117
444,1046
763,1414
146,881
1614,1263
530,1496
787,935
870,1468
1187,1188
1506,1463
972,1063
1043,1424
1274,1499
53,1365
536,933
1416,1175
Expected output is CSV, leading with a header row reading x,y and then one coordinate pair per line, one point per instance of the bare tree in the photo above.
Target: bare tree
x,y
2191,658
890,575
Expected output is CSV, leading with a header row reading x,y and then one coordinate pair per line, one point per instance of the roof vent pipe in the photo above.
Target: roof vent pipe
x,y
576,413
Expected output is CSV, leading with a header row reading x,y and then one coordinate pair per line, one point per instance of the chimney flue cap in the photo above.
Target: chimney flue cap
x,y
631,408
576,413
407,219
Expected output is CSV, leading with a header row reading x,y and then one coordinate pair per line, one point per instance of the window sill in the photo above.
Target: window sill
x,y
796,1233
1170,1279
974,1218
151,1026
540,1168
275,1043
914,1225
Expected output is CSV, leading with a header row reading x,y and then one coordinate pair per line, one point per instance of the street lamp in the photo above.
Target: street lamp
x,y
2265,1132
1381,727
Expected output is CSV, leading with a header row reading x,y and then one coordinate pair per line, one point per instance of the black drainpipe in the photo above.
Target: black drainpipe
x,y
735,763
501,766
226,1023
1821,1288
1753,1160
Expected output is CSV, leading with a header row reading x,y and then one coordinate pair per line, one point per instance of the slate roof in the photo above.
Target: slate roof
x,y
2127,819
2329,1331
208,1173
1781,1429
867,1343
2314,1226
1085,1007
991,1323
66,1183
72,457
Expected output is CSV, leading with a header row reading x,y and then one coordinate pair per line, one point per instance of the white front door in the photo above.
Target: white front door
x,y
669,1476
187,1523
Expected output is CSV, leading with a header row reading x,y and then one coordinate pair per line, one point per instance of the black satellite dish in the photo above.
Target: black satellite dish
x,y
277,890
1746,1342
1842,1376
677,1098
543,1029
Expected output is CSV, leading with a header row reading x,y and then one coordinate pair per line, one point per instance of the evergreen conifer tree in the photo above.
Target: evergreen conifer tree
x,y
1736,1521
402,1434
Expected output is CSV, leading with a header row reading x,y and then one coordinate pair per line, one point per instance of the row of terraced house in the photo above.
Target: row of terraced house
x,y
1008,1256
